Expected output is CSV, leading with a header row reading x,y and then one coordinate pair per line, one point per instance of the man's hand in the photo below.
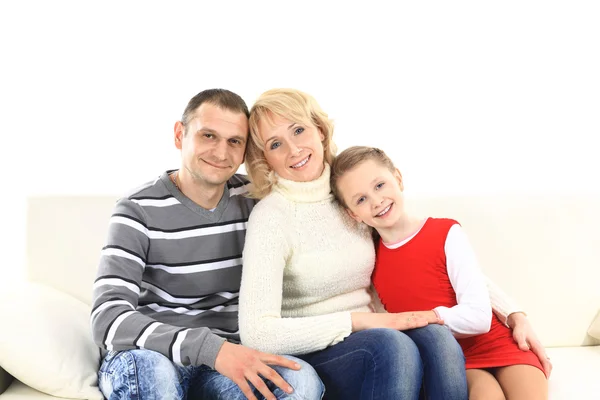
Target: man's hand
x,y
242,365
526,338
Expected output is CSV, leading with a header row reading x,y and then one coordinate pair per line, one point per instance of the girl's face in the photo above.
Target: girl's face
x,y
373,194
293,150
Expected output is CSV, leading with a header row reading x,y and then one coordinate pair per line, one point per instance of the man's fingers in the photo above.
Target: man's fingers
x,y
273,376
272,359
245,388
260,385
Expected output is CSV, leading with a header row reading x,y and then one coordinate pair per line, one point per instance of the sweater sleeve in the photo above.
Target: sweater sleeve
x,y
266,252
473,313
502,304
116,325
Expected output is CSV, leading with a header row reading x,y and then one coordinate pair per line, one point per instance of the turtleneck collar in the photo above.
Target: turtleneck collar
x,y
305,192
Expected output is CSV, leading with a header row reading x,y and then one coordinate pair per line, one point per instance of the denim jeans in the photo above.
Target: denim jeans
x,y
149,375
387,364
444,374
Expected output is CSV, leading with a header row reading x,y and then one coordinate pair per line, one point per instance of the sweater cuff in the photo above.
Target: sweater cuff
x,y
207,354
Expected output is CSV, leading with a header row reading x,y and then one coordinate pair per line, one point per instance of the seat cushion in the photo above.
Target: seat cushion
x,y
574,373
20,391
47,342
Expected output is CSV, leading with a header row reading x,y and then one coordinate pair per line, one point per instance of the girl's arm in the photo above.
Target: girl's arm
x,y
473,313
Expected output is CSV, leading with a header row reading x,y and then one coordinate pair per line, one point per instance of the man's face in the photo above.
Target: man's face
x,y
212,144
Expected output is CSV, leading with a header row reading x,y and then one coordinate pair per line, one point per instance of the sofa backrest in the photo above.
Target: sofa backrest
x,y
544,251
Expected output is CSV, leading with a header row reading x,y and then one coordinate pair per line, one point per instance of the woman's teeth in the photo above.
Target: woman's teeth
x,y
301,163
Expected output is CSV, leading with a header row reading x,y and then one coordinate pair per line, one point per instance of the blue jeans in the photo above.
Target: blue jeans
x,y
444,374
145,374
388,364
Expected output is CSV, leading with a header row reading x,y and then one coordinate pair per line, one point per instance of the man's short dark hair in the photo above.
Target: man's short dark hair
x,y
221,98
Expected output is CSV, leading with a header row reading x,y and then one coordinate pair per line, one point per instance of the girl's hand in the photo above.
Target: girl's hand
x,y
399,321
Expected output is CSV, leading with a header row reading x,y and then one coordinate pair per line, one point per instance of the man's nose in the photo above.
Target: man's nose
x,y
220,151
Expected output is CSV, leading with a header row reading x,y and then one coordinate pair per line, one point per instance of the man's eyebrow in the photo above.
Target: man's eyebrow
x,y
205,129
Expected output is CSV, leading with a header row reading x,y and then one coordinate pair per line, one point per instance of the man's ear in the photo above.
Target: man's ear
x,y
179,131
398,177
353,216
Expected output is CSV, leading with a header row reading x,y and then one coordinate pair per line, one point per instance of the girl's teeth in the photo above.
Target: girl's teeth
x,y
384,211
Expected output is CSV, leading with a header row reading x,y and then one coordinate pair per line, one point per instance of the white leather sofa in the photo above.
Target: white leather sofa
x,y
544,251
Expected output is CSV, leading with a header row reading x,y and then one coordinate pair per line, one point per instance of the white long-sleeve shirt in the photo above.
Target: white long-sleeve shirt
x,y
475,293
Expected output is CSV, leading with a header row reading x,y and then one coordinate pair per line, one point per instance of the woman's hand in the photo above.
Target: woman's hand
x,y
399,321
526,338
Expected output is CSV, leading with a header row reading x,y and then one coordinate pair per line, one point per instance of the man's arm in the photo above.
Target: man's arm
x,y
116,323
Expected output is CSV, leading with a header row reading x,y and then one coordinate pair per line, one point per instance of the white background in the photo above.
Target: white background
x,y
467,97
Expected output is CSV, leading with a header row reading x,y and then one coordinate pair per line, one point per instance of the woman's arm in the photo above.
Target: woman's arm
x,y
502,305
262,327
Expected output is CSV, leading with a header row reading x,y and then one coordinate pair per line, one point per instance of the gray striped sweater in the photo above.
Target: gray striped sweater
x,y
169,275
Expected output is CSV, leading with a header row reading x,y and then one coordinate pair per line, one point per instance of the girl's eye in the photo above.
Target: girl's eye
x,y
299,130
360,200
275,145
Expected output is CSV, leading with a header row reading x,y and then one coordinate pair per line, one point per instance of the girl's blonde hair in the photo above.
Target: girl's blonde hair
x,y
349,159
295,106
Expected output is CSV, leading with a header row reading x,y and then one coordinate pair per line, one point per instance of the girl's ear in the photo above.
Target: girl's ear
x,y
398,176
353,216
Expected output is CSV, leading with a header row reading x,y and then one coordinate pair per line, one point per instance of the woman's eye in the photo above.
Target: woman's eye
x,y
379,185
275,145
299,130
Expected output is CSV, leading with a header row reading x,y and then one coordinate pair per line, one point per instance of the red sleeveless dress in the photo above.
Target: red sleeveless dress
x,y
414,277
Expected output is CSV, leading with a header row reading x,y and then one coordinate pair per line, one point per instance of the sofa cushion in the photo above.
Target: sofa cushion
x,y
574,373
45,341
594,329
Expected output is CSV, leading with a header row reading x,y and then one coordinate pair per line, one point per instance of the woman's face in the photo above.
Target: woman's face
x,y
293,150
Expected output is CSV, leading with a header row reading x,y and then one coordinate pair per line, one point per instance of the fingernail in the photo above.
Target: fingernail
x,y
297,365
290,389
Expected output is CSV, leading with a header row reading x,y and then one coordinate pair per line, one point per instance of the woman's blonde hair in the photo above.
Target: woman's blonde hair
x,y
295,106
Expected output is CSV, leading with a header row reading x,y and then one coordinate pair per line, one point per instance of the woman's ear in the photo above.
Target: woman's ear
x,y
398,177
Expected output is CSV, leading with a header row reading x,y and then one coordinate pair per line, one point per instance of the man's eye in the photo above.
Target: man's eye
x,y
209,135
275,145
235,141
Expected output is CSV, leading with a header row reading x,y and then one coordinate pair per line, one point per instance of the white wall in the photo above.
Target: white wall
x,y
466,96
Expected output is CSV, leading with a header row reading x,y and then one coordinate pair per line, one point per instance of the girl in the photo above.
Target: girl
x,y
429,265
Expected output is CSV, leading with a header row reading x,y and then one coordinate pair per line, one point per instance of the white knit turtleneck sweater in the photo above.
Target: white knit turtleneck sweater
x,y
307,265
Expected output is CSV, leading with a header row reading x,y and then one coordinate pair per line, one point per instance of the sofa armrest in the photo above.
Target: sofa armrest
x,y
5,380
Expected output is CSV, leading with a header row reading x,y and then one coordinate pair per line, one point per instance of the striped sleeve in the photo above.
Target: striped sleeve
x,y
116,323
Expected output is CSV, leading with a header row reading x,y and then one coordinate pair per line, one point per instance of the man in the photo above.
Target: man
x,y
166,295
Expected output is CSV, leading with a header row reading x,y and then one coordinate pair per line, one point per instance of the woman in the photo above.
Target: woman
x,y
307,268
